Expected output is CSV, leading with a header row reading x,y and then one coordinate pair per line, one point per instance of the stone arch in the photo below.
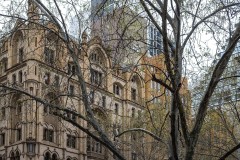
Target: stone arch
x,y
17,155
99,63
17,47
47,155
12,155
101,53
137,85
55,156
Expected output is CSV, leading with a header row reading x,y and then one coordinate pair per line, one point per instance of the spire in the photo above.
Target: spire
x,y
33,10
84,37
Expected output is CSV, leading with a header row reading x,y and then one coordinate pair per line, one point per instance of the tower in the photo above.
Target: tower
x,y
33,10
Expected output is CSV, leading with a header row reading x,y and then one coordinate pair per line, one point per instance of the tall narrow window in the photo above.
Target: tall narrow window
x,y
2,139
134,156
49,56
5,65
12,156
3,113
91,96
17,157
73,70
104,101
56,81
54,156
88,143
133,94
133,112
116,108
69,68
96,77
14,78
71,90
19,134
35,41
20,77
20,54
47,78
45,109
47,156
117,89
19,107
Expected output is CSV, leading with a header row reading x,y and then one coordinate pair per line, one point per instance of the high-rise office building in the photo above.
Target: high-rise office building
x,y
154,41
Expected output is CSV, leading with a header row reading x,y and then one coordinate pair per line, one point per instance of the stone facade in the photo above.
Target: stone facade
x,y
35,60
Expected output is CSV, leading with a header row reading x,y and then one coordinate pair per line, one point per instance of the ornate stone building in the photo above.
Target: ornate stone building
x,y
34,60
35,63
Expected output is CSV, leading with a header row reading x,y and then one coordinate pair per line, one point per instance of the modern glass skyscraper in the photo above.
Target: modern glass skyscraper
x,y
102,7
154,41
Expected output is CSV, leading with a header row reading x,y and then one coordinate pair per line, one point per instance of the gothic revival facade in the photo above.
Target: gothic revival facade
x,y
34,60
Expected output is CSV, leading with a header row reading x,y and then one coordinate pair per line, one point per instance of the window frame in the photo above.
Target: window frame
x,y
48,135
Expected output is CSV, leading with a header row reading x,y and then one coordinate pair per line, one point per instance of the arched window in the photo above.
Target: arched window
x,y
17,157
136,94
47,156
68,158
54,156
17,52
12,156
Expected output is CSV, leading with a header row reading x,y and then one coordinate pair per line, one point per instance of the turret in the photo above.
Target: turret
x,y
33,11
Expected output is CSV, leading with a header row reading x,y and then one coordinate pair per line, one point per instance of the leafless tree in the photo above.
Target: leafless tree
x,y
181,25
